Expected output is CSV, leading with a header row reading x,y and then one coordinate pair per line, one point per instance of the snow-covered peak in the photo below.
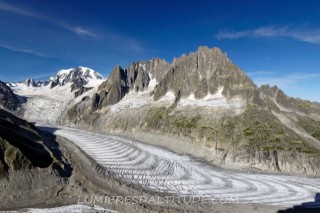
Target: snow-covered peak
x,y
68,75
64,72
80,76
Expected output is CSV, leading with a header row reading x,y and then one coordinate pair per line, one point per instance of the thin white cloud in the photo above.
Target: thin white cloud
x,y
82,32
231,34
10,8
56,22
22,50
114,38
303,33
134,45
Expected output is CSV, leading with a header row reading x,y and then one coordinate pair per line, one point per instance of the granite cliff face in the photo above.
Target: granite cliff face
x,y
201,73
204,72
205,99
8,100
136,78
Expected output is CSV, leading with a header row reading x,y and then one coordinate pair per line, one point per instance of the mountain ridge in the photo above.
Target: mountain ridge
x,y
205,98
62,77
201,97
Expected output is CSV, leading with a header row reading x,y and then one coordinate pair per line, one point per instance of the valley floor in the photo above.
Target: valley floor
x,y
115,173
164,171
114,167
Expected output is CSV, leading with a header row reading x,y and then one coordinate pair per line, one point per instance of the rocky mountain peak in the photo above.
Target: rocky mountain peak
x,y
200,73
266,89
278,100
156,68
204,52
203,72
207,50
30,82
118,73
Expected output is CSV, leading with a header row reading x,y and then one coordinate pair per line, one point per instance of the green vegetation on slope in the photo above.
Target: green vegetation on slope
x,y
310,125
255,127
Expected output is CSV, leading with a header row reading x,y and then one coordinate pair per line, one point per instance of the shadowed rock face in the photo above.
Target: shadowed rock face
x,y
78,87
30,82
156,67
77,84
81,90
135,77
21,146
113,89
8,100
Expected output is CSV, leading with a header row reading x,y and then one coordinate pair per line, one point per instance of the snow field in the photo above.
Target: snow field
x,y
67,209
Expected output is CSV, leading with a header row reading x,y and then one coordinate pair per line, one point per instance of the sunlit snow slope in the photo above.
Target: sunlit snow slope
x,y
45,104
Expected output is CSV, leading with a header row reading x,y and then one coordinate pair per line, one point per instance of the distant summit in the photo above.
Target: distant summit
x,y
77,80
69,75
78,76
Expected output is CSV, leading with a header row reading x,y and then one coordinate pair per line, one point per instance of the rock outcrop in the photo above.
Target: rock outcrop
x,y
30,82
286,103
135,77
77,84
21,145
8,100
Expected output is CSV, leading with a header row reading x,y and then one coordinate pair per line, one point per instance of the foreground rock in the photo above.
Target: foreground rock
x,y
21,145
8,100
32,169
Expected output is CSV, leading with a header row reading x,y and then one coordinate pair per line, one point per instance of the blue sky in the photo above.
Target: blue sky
x,y
275,42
